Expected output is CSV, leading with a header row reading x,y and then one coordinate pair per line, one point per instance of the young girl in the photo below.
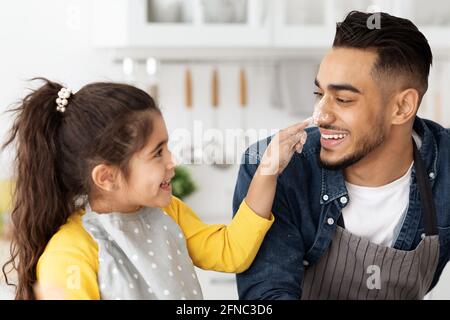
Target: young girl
x,y
93,214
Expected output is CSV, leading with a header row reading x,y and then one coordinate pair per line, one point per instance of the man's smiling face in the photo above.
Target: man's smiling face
x,y
354,106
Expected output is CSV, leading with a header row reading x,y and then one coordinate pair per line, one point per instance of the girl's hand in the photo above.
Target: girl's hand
x,y
279,152
282,147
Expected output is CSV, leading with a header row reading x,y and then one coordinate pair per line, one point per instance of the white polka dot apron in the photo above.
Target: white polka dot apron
x,y
142,255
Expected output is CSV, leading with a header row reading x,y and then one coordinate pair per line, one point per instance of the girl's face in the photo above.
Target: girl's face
x,y
150,171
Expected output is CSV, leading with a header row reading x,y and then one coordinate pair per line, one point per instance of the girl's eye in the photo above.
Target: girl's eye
x,y
159,153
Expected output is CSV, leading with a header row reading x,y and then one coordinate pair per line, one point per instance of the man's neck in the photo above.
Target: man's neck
x,y
387,163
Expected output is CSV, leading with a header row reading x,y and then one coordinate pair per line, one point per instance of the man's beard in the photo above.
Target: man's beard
x,y
367,146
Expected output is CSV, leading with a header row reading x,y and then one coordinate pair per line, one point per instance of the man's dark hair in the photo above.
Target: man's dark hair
x,y
403,51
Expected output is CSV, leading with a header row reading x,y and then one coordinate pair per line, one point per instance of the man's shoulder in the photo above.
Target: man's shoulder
x,y
436,128
440,134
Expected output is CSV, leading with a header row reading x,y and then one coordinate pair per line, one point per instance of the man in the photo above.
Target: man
x,y
364,211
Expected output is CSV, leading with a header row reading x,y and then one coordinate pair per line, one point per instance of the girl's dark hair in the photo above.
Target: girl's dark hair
x,y
56,152
402,49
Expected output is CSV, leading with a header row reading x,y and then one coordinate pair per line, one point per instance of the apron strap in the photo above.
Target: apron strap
x,y
341,221
426,195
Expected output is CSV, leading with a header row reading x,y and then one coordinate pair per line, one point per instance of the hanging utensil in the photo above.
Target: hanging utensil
x,y
242,137
242,88
217,154
215,89
276,97
213,146
188,151
188,88
151,67
243,102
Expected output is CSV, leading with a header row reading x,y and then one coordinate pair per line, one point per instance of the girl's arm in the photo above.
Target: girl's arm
x,y
261,192
233,247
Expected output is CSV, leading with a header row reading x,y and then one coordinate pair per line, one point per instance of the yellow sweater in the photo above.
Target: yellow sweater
x,y
216,247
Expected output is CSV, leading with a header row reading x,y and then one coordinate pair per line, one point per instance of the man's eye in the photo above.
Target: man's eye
x,y
159,153
343,100
318,94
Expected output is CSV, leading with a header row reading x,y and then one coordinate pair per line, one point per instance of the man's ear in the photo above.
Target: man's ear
x,y
405,108
104,177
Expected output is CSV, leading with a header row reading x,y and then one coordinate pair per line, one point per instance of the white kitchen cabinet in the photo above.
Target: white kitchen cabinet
x,y
258,24
312,24
129,24
302,24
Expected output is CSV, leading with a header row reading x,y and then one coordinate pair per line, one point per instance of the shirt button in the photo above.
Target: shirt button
x,y
432,175
330,221
343,200
305,263
423,235
325,197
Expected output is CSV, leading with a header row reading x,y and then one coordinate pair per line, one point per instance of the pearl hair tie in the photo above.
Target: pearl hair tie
x,y
62,101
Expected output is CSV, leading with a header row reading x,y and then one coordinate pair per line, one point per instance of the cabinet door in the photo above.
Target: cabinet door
x,y
303,24
182,23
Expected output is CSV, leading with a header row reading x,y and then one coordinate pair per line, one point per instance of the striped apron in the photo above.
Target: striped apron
x,y
355,268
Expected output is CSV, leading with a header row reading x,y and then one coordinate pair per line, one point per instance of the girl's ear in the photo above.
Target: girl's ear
x,y
104,177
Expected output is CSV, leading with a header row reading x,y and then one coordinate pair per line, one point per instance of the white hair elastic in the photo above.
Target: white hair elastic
x,y
62,101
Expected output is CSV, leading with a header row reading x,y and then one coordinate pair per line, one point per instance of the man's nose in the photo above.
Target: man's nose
x,y
323,110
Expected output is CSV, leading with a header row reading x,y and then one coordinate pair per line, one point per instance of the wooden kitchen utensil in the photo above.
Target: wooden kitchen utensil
x,y
216,148
215,88
188,152
188,88
242,88
243,102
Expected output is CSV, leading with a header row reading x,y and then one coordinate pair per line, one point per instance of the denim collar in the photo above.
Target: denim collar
x,y
333,182
429,148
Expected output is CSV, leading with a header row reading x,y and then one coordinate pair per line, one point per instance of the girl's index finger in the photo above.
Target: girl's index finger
x,y
298,126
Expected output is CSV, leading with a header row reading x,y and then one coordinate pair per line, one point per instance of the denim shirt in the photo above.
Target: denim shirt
x,y
308,203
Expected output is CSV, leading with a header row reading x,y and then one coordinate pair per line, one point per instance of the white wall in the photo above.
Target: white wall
x,y
47,38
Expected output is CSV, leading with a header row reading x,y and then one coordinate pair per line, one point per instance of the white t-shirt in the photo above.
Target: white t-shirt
x,y
377,213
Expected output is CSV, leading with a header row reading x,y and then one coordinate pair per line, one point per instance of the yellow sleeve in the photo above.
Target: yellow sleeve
x,y
220,247
6,188
69,265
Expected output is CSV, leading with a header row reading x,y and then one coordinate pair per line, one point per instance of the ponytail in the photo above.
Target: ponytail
x,y
40,202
